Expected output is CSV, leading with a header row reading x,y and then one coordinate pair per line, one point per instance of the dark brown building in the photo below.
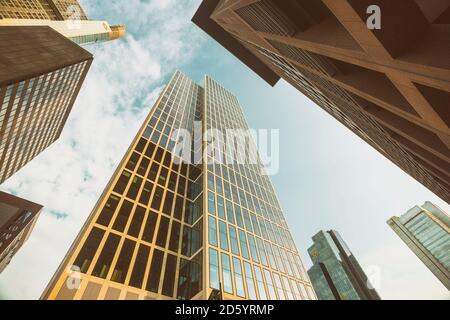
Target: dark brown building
x,y
391,86
17,219
41,73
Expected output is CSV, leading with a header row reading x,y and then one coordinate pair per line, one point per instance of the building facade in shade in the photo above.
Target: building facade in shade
x,y
336,274
426,231
169,230
17,219
390,86
41,73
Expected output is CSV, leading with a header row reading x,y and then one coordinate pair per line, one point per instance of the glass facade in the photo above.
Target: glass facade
x,y
171,230
336,274
426,230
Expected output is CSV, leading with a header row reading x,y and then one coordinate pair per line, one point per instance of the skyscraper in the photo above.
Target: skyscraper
x,y
17,219
389,85
426,231
336,274
65,16
191,230
41,73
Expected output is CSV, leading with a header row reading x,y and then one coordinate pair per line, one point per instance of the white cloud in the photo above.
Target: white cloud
x,y
124,81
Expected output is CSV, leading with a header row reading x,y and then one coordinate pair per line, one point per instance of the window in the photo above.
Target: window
x,y
162,232
106,256
214,281
157,198
178,211
122,182
262,252
287,287
248,224
260,284
174,236
270,254
122,216
255,224
212,231
223,236
296,290
243,244
153,172
253,250
233,240
168,203
238,277
133,161
137,276
134,188
146,192
136,222
226,273
150,225
123,263
220,207
155,271
279,287
108,210
270,287
143,166
230,214
211,203
239,220
87,252
249,281
169,275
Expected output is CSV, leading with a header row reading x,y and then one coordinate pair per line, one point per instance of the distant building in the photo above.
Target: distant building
x,y
336,274
390,86
426,231
41,73
17,219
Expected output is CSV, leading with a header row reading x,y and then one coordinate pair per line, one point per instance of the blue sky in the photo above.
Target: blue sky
x,y
328,179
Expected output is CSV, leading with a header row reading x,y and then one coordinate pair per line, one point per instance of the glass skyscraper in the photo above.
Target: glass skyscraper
x,y
191,230
336,274
426,231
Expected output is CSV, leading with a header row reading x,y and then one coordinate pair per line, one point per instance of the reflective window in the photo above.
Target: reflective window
x,y
260,284
223,236
249,281
214,281
253,250
226,273
238,277
212,231
243,244
233,240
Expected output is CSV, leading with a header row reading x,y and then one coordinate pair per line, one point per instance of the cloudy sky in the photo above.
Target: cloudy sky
x,y
329,178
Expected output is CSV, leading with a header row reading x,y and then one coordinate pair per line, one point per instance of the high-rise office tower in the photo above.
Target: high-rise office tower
x,y
190,230
41,73
336,274
388,83
17,219
426,231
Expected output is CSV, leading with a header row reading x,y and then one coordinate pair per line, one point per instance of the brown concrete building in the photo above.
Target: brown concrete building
x,y
17,219
42,9
41,73
391,86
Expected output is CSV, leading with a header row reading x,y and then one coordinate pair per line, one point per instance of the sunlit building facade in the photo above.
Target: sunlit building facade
x,y
426,231
17,220
169,230
336,274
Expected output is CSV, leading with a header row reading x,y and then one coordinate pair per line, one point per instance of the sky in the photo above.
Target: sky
x,y
328,179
